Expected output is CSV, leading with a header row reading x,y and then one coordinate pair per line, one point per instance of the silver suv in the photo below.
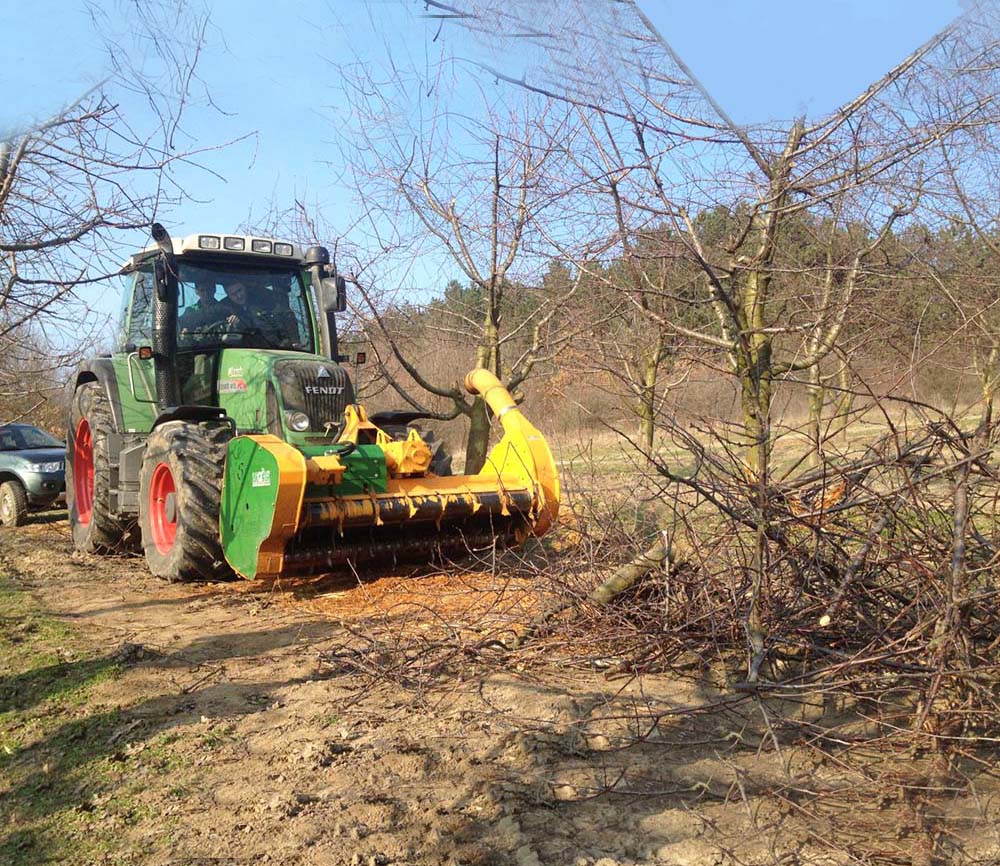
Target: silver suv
x,y
32,471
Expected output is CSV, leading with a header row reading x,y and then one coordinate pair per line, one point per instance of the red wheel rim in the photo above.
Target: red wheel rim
x,y
83,472
162,519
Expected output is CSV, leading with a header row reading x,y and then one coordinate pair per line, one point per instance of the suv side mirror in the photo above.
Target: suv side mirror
x,y
334,293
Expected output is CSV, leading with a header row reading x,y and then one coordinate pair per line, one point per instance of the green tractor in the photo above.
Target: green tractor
x,y
223,436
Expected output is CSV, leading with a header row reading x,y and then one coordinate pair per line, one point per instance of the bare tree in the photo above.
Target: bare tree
x,y
98,166
471,196
964,253
648,284
660,146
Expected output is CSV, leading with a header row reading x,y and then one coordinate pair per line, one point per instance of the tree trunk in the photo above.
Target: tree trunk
x,y
989,375
478,442
755,378
658,555
647,400
755,371
844,404
629,574
755,399
817,399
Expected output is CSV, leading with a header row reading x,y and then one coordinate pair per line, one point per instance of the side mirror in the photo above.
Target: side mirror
x,y
166,281
165,269
334,293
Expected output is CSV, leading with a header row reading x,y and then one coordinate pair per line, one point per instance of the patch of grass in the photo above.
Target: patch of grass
x,y
26,631
159,754
59,753
218,737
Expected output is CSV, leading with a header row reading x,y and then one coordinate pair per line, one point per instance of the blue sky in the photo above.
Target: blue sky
x,y
831,50
267,65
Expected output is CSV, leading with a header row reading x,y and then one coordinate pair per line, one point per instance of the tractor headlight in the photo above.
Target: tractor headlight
x,y
297,421
55,466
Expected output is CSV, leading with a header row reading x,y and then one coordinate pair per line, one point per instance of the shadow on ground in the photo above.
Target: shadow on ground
x,y
53,786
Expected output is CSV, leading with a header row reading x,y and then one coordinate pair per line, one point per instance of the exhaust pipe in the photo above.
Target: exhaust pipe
x,y
168,390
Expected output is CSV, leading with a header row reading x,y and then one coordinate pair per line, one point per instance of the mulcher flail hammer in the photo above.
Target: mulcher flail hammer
x,y
222,434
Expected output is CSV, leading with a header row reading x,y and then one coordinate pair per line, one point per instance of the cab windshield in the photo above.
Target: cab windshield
x,y
222,305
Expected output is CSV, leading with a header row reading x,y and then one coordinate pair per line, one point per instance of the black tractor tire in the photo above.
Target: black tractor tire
x,y
95,529
440,458
180,494
13,504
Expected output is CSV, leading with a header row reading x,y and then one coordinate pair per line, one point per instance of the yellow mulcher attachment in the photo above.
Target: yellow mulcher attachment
x,y
291,510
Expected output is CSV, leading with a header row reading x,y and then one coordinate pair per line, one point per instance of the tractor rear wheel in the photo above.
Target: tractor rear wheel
x,y
88,475
440,458
180,492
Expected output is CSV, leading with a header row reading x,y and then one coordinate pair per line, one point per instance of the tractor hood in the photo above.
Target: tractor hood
x,y
262,390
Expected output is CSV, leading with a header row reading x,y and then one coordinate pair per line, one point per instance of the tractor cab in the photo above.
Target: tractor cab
x,y
243,334
225,301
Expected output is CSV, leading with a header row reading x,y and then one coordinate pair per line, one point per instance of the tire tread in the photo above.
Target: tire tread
x,y
106,533
196,455
15,490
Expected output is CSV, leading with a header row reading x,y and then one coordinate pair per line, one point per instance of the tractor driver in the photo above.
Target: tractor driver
x,y
247,318
234,308
204,312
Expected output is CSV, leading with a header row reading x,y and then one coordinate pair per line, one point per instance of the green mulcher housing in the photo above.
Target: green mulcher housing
x,y
222,434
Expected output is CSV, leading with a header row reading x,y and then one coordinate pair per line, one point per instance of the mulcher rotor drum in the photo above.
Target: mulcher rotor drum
x,y
368,496
318,548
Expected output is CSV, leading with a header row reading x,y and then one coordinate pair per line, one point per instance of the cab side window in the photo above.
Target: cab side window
x,y
140,322
126,292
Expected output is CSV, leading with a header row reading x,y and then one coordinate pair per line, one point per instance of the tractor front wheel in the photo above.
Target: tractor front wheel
x,y
180,491
88,474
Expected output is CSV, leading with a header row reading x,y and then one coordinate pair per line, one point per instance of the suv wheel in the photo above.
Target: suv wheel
x,y
13,504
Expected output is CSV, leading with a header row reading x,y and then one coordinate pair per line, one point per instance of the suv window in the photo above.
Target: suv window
x,y
22,437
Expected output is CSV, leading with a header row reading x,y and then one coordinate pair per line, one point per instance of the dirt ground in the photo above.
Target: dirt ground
x,y
249,723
